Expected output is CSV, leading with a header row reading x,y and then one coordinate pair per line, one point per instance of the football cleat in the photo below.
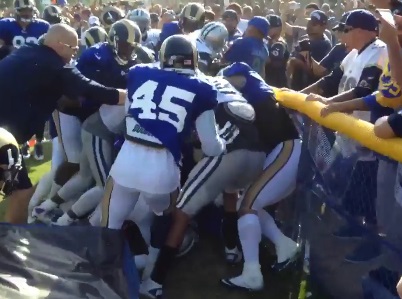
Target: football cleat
x,y
151,289
253,282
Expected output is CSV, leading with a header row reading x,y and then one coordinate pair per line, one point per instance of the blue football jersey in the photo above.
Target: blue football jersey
x,y
164,106
250,50
14,35
98,63
255,90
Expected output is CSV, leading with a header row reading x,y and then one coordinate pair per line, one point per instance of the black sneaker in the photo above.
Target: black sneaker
x,y
25,151
38,151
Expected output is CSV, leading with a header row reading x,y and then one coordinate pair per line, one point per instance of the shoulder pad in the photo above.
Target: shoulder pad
x,y
240,110
145,55
7,20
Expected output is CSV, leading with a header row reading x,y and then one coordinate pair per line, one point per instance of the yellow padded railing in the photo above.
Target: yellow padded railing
x,y
356,129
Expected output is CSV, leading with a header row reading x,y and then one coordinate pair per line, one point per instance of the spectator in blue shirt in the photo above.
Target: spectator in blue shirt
x,y
251,48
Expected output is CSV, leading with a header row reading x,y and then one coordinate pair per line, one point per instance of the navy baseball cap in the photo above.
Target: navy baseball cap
x,y
261,23
274,21
318,16
341,25
230,14
362,19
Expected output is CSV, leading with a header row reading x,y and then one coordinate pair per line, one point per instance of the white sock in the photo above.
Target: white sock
x,y
250,237
269,227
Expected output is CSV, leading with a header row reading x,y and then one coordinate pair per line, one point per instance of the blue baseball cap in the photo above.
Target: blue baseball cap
x,y
362,19
274,21
261,23
341,24
318,16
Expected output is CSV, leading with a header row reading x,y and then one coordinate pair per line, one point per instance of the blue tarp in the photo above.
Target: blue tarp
x,y
65,262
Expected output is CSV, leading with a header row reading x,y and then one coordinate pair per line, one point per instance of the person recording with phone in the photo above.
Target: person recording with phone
x,y
334,58
315,45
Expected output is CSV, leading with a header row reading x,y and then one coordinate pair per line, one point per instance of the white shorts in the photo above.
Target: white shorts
x,y
146,169
69,133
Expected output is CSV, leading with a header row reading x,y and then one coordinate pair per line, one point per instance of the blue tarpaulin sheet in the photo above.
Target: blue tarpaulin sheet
x,y
65,262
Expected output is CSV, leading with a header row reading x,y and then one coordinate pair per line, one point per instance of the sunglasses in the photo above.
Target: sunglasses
x,y
348,29
74,48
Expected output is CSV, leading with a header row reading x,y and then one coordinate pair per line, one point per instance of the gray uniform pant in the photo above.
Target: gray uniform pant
x,y
214,175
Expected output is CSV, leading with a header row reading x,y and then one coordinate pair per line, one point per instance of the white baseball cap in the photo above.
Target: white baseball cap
x,y
93,21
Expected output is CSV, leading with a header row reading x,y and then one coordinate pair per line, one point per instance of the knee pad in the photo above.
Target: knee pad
x,y
160,229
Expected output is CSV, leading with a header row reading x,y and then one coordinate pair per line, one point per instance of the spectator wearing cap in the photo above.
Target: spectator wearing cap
x,y
231,20
251,48
358,77
275,68
319,42
294,33
313,46
334,58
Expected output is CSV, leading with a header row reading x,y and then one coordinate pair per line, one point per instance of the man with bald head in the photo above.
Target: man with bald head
x,y
32,79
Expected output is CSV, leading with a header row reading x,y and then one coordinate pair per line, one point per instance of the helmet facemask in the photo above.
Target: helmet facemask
x,y
124,51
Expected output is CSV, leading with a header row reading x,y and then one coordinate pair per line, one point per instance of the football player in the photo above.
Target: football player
x,y
93,36
277,181
251,48
106,63
10,162
233,171
163,106
15,32
52,14
192,17
150,37
210,44
109,15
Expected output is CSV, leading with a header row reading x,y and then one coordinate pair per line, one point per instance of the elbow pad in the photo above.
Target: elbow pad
x,y
242,111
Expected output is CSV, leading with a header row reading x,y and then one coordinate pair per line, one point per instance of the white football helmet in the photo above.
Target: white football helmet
x,y
215,36
141,17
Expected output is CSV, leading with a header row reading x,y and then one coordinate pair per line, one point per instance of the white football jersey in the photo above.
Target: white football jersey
x,y
375,54
152,38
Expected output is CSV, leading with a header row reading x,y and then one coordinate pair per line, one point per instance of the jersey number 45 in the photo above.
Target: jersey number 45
x,y
145,99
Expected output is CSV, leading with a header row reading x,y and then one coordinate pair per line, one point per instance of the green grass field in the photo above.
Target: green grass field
x,y
197,275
